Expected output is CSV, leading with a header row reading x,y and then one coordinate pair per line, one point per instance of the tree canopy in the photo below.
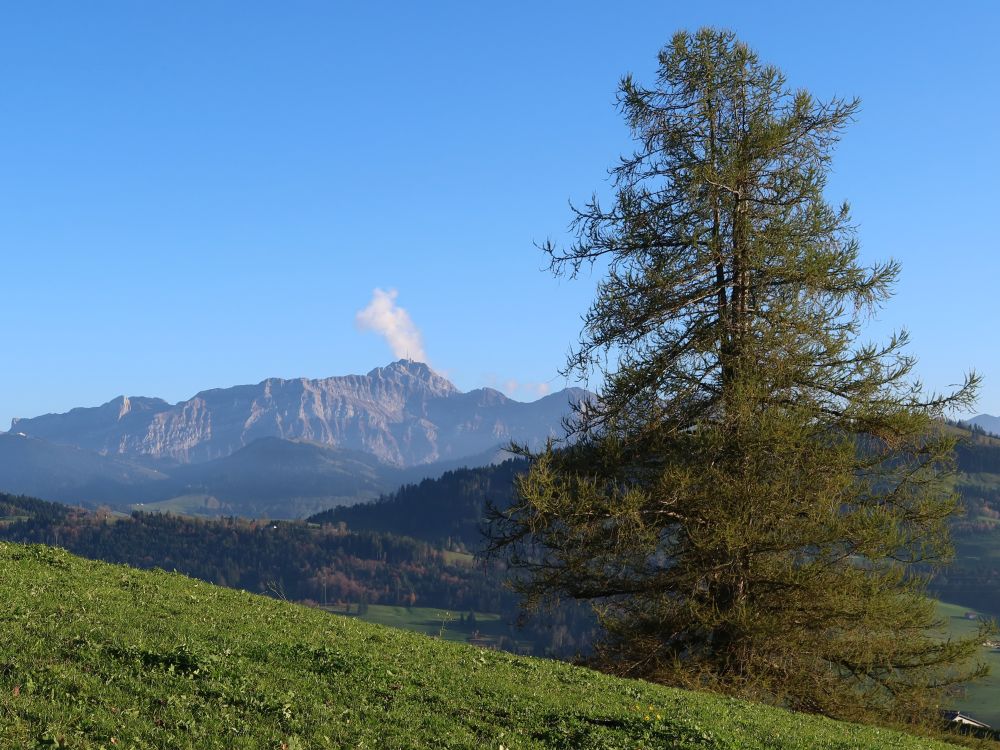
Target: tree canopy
x,y
752,498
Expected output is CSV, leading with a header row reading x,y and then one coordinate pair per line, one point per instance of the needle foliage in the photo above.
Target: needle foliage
x,y
752,501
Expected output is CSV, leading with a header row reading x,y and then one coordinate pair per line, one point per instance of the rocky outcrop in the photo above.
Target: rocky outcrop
x,y
405,414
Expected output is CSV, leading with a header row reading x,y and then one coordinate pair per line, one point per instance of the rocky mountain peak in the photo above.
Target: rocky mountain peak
x,y
405,371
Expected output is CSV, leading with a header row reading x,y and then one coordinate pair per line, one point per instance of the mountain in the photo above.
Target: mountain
x,y
404,414
987,422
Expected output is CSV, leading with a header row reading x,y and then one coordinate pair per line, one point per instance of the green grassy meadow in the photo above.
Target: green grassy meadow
x,y
94,655
192,505
431,621
981,700
199,505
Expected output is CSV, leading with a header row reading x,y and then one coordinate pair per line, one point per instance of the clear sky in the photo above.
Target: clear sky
x,y
201,194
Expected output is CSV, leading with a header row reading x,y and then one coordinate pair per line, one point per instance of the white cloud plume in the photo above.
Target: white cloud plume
x,y
383,316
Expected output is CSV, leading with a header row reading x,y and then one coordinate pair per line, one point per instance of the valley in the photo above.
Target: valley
x,y
388,544
404,559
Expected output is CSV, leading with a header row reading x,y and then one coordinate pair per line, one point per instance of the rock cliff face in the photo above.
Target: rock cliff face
x,y
405,414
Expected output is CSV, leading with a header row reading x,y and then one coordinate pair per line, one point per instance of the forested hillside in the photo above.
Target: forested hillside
x,y
973,577
449,510
319,563
297,560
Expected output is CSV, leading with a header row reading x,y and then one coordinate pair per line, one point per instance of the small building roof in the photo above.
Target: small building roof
x,y
958,717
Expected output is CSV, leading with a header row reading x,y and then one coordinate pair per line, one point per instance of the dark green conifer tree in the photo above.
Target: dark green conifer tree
x,y
752,501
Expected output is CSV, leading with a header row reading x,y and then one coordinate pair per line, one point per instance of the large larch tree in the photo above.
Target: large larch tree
x,y
753,500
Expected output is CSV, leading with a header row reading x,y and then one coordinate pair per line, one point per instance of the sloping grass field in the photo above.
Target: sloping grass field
x,y
94,655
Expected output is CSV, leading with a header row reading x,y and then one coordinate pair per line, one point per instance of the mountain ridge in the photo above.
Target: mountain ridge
x,y
404,413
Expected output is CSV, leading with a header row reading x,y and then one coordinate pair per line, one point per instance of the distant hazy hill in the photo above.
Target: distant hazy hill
x,y
404,414
270,477
274,478
987,422
35,467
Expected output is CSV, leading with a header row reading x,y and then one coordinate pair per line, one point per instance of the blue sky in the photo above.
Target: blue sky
x,y
195,195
